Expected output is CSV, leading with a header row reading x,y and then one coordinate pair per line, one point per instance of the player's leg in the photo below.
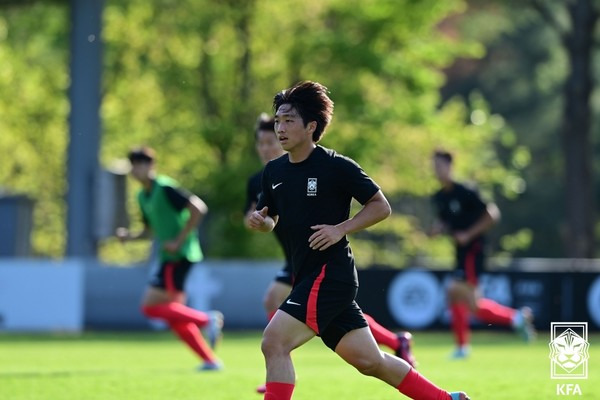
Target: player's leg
x,y
275,295
165,300
458,297
358,348
400,343
283,334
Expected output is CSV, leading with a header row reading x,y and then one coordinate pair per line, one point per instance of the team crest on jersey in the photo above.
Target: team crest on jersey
x,y
311,187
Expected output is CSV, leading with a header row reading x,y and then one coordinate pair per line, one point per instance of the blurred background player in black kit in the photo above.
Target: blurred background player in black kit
x,y
309,191
172,214
463,215
268,148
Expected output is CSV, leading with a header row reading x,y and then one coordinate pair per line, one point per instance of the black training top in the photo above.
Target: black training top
x,y
458,208
316,191
253,190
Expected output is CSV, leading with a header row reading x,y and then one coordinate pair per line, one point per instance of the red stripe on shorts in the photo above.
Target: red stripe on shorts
x,y
311,307
470,270
170,277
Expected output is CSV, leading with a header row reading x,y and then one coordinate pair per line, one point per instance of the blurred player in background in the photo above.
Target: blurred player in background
x,y
309,192
268,148
172,214
462,214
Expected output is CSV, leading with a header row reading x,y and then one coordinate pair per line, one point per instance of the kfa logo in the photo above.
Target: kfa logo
x,y
311,187
569,350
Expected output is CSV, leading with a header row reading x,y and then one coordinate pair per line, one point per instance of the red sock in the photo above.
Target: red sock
x,y
493,313
417,387
176,312
460,323
279,391
382,335
190,334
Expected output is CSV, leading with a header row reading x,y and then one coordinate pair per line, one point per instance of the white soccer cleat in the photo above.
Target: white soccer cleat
x,y
214,329
459,396
523,324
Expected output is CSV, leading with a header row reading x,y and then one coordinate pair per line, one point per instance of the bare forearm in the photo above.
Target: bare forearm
x,y
375,210
487,220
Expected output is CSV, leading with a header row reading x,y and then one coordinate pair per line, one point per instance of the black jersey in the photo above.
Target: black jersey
x,y
253,191
458,208
318,190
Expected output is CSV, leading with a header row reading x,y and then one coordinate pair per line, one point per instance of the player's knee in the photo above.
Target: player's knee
x,y
368,366
270,346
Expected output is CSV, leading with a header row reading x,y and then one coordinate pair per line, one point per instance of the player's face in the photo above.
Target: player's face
x,y
442,169
267,146
141,170
290,129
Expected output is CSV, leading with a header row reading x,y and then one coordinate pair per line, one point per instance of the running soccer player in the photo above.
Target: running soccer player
x,y
308,193
172,215
268,148
462,214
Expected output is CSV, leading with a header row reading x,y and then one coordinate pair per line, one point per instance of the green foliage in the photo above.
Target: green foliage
x,y
34,108
189,78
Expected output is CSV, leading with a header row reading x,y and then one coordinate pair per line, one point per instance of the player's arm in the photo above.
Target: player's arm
x,y
376,209
261,221
489,217
198,210
125,235
437,228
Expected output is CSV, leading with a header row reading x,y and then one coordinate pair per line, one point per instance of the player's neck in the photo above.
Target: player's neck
x,y
447,184
301,153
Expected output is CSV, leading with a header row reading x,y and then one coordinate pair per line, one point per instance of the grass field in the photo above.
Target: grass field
x,y
147,366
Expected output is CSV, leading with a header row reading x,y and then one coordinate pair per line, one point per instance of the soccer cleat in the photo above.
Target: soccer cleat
x,y
261,389
460,353
211,366
214,329
523,324
404,350
459,396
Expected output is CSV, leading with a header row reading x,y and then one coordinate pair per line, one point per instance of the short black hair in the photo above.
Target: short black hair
x,y
444,155
311,101
264,122
141,154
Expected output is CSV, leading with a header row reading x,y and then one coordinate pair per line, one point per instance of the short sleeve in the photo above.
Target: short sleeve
x,y
474,201
358,184
178,197
265,198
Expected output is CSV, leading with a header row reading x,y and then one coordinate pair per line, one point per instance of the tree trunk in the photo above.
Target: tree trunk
x,y
577,147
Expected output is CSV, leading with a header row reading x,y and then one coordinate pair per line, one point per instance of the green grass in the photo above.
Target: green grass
x,y
146,366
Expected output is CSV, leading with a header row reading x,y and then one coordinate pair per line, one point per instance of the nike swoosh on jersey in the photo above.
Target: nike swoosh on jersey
x,y
292,302
274,186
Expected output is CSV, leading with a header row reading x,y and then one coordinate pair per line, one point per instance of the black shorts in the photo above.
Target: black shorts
x,y
326,306
171,275
469,263
285,275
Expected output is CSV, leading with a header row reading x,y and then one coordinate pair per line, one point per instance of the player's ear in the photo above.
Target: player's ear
x,y
311,126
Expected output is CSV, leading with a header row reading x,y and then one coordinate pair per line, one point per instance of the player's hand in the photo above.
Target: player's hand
x,y
257,218
462,237
172,246
325,236
122,234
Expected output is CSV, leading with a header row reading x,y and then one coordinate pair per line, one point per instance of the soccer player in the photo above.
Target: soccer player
x,y
462,214
268,148
172,215
308,193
